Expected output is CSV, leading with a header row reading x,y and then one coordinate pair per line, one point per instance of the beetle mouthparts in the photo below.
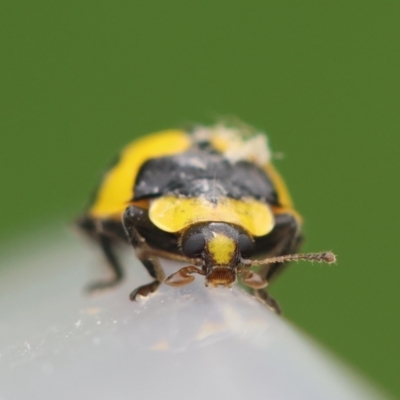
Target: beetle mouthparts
x,y
220,277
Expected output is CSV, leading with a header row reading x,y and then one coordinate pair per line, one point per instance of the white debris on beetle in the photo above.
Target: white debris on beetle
x,y
240,144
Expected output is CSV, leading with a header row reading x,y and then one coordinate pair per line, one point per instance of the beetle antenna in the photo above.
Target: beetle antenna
x,y
326,256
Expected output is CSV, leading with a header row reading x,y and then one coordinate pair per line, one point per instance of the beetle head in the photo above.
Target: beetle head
x,y
221,247
222,251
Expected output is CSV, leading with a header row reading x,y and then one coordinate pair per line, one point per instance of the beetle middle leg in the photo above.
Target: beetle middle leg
x,y
105,233
132,218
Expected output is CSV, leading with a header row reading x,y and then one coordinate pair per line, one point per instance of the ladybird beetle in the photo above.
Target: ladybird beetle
x,y
208,196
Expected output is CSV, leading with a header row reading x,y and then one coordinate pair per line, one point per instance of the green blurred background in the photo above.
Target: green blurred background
x,y
79,79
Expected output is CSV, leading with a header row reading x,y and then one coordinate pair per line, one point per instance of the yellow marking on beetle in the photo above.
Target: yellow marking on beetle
x,y
219,143
117,188
285,200
280,186
221,248
172,214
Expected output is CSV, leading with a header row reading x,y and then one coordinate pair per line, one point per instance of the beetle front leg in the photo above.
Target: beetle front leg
x,y
252,279
183,276
143,252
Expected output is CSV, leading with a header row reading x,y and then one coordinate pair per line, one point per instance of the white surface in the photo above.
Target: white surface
x,y
189,343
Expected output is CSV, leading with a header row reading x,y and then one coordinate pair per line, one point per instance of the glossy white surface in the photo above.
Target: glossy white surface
x,y
190,343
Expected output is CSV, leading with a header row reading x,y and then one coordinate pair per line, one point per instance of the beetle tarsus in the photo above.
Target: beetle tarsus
x,y
269,301
144,290
253,280
183,276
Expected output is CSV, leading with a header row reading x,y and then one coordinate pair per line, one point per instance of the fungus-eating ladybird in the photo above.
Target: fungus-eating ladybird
x,y
209,197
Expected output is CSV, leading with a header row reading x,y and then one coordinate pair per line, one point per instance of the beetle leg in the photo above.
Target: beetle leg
x,y
253,280
269,301
284,239
104,237
143,253
183,276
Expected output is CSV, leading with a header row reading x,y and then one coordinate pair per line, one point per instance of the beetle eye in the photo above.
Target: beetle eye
x,y
193,245
245,245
